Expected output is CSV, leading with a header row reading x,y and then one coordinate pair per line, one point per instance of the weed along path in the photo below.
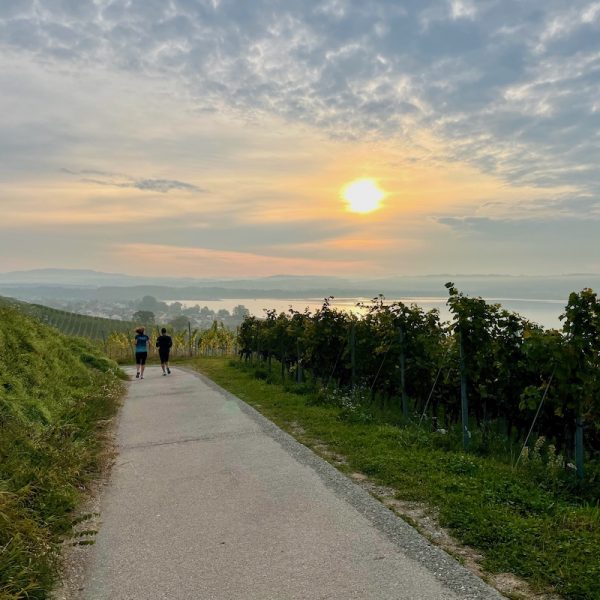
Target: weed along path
x,y
210,501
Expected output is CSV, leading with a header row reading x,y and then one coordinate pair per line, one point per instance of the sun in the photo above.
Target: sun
x,y
363,196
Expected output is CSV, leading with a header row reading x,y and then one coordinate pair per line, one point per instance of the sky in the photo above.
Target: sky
x,y
214,138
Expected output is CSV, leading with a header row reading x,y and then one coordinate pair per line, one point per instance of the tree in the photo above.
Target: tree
x,y
240,311
179,323
582,332
192,311
145,317
206,312
151,303
175,308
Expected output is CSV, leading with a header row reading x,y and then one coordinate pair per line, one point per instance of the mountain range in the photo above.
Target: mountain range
x,y
79,284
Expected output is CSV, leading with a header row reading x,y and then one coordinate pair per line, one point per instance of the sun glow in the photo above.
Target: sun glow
x,y
363,196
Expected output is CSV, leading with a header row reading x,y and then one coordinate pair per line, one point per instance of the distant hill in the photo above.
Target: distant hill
x,y
89,278
65,284
68,277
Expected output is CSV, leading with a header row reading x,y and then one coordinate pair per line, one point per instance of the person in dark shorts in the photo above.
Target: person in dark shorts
x,y
142,343
164,343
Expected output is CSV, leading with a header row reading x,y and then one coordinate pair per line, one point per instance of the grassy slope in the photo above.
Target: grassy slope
x,y
54,394
526,522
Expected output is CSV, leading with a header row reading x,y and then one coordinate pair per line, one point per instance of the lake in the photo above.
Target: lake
x,y
544,312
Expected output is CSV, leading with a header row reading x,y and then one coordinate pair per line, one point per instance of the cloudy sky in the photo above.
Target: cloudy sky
x,y
215,137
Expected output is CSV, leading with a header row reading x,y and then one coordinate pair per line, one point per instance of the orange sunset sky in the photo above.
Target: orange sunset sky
x,y
217,139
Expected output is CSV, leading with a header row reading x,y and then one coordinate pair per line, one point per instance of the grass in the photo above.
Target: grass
x,y
56,394
535,522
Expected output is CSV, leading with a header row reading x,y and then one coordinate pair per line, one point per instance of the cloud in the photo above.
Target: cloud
x,y
124,181
146,86
569,230
462,9
534,246
567,206
521,77
204,262
154,185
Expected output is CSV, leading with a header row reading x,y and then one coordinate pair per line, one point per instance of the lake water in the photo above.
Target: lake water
x,y
544,312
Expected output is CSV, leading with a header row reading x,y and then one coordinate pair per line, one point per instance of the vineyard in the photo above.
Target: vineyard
x,y
489,374
69,323
216,341
116,337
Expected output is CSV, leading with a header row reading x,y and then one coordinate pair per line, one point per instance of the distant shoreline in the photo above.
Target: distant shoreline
x,y
543,311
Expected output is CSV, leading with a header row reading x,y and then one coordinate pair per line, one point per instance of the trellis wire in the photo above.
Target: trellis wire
x,y
381,365
433,386
536,416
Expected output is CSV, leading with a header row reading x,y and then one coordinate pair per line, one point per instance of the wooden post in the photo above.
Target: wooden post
x,y
464,402
353,353
190,338
403,375
579,444
298,363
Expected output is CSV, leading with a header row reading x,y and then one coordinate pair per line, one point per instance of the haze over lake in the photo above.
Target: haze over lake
x,y
544,312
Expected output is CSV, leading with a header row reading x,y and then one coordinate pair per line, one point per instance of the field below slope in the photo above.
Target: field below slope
x,y
536,522
56,396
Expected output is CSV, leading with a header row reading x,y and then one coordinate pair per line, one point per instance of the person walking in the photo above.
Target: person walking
x,y
164,343
142,343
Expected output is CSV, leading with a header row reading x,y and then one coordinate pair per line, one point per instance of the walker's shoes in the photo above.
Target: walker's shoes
x,y
142,377
164,374
169,371
137,375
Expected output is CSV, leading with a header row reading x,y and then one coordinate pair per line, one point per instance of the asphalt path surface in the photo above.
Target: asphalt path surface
x,y
209,500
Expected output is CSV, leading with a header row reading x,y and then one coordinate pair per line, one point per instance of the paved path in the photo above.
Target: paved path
x,y
210,501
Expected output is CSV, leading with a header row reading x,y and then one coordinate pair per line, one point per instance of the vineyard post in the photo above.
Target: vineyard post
x,y
403,375
298,362
579,443
190,338
464,403
353,353
69,324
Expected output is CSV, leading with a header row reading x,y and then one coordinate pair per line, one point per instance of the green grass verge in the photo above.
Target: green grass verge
x,y
56,394
530,521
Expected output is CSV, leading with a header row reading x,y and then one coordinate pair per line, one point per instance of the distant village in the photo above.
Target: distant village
x,y
149,310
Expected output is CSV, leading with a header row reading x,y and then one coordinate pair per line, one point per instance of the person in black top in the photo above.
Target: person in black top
x,y
164,343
